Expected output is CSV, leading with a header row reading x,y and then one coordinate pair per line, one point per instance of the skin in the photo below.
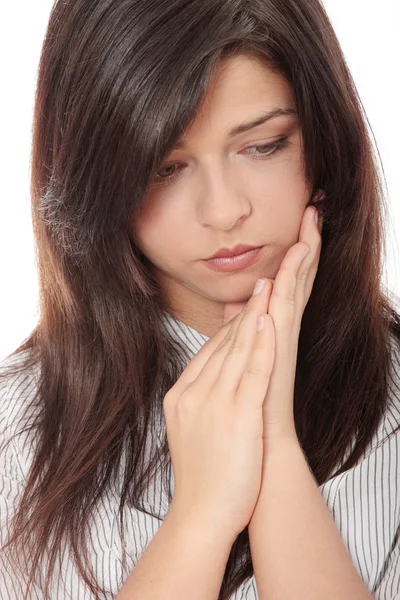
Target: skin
x,y
293,538
224,191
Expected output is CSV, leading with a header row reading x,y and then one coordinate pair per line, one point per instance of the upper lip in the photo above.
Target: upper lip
x,y
227,252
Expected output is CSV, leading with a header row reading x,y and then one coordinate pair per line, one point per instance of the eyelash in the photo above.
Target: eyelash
x,y
276,147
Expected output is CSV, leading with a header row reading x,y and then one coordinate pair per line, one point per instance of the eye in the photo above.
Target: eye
x,y
271,150
168,174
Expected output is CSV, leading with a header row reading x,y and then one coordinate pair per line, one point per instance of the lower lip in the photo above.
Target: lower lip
x,y
234,263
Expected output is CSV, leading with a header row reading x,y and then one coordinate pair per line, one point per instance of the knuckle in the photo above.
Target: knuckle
x,y
168,397
291,300
286,268
304,275
254,371
237,347
169,400
227,339
220,349
184,402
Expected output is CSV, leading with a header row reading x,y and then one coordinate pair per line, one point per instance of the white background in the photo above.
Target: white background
x,y
368,33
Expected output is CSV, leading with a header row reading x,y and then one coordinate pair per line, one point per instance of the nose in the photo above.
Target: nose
x,y
223,203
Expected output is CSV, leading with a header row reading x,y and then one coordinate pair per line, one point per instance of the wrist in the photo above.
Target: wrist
x,y
203,527
279,453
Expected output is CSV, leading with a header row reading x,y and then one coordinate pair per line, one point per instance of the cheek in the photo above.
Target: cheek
x,y
154,230
288,179
144,227
281,208
280,180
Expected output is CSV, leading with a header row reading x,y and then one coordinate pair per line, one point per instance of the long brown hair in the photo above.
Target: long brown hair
x,y
118,83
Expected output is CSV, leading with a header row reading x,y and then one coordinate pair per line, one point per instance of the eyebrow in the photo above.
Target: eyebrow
x,y
263,118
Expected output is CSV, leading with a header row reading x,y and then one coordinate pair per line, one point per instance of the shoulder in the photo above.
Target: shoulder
x,y
17,391
386,439
392,416
18,409
384,447
364,499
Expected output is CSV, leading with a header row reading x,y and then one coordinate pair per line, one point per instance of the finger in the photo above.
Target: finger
x,y
228,361
231,309
282,306
256,377
311,232
293,281
196,364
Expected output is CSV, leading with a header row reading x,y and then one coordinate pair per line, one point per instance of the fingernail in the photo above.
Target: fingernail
x,y
316,216
259,286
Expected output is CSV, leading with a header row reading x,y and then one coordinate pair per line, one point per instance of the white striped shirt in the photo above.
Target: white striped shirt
x,y
364,502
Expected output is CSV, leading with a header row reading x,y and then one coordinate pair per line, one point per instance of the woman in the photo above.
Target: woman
x,y
147,159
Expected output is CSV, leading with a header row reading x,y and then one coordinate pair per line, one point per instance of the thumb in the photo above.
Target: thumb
x,y
231,309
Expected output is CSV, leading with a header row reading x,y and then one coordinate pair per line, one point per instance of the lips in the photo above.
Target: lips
x,y
234,263
229,252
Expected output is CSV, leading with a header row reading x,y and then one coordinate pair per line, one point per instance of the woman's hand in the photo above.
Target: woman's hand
x,y
214,421
290,294
237,392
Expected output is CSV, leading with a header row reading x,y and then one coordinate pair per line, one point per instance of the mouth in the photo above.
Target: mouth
x,y
231,252
234,263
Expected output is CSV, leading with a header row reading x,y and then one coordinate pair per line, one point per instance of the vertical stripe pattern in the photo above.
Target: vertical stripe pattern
x,y
364,502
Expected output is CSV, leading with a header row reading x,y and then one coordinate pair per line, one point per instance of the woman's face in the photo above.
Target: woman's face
x,y
220,190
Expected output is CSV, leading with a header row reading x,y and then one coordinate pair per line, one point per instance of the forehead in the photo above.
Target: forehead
x,y
237,72
241,89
